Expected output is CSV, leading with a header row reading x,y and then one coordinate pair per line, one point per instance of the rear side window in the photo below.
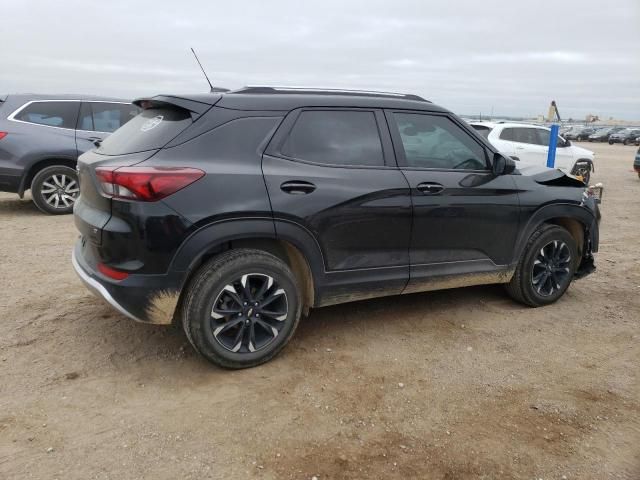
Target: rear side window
x,y
150,130
105,116
507,134
338,137
53,114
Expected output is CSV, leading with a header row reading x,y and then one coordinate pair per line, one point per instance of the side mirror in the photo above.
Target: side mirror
x,y
502,165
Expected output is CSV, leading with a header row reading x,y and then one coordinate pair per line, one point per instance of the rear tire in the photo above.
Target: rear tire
x,y
242,308
54,189
546,267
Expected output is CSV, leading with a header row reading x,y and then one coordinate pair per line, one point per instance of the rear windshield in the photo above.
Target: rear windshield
x,y
150,130
482,130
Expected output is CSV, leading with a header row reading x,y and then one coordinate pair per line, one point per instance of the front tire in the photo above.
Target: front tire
x,y
241,308
546,267
55,189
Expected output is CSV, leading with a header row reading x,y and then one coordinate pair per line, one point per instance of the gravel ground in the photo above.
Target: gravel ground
x,y
456,384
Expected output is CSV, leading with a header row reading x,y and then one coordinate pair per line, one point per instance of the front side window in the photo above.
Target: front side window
x,y
525,135
434,141
335,137
53,114
104,116
544,135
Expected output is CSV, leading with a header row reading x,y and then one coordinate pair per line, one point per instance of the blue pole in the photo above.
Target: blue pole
x,y
553,143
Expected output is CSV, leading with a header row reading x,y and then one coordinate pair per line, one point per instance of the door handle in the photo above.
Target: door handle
x,y
430,188
297,187
95,140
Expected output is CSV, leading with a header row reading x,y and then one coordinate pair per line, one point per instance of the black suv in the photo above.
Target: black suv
x,y
236,213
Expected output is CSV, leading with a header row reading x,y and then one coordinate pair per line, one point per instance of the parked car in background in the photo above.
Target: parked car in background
x,y
232,214
602,134
529,144
626,136
41,137
636,163
579,133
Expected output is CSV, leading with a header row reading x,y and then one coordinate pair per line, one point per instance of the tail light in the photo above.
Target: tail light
x,y
146,184
112,272
2,135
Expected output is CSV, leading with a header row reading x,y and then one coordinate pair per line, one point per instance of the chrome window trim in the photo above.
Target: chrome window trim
x,y
12,118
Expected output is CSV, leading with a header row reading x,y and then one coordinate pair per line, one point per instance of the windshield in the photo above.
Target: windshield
x,y
150,130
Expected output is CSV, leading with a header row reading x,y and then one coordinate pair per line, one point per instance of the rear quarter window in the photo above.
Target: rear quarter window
x,y
153,128
59,114
482,130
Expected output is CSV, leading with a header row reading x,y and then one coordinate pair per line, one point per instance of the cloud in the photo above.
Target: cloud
x,y
469,56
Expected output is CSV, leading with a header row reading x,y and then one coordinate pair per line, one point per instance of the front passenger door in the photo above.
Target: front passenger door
x,y
465,218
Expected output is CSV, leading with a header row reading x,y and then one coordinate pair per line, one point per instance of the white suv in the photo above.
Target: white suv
x,y
529,144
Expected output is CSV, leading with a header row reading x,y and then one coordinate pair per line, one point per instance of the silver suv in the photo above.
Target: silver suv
x,y
41,137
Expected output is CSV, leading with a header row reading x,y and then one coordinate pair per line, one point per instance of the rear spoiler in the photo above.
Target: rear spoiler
x,y
195,107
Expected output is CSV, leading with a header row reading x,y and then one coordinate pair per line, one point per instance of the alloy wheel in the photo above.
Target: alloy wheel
x,y
60,190
249,313
551,268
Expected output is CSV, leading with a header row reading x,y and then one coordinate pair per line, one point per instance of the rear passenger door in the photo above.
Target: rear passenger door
x,y
331,171
465,218
527,146
98,119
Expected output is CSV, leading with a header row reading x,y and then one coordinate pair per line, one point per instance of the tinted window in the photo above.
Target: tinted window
x,y
432,141
543,137
53,114
507,134
105,117
151,129
525,135
335,138
85,121
482,130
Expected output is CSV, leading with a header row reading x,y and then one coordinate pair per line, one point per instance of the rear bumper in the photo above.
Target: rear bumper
x,y
143,298
10,183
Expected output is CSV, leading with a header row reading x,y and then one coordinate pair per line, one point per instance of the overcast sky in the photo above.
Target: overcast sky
x,y
469,56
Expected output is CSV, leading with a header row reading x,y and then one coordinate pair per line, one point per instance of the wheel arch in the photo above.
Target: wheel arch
x,y
37,166
257,234
573,218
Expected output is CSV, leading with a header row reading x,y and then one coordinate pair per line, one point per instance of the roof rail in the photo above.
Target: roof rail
x,y
325,91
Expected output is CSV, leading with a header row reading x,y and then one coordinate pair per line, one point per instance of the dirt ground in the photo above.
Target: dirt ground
x,y
456,384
